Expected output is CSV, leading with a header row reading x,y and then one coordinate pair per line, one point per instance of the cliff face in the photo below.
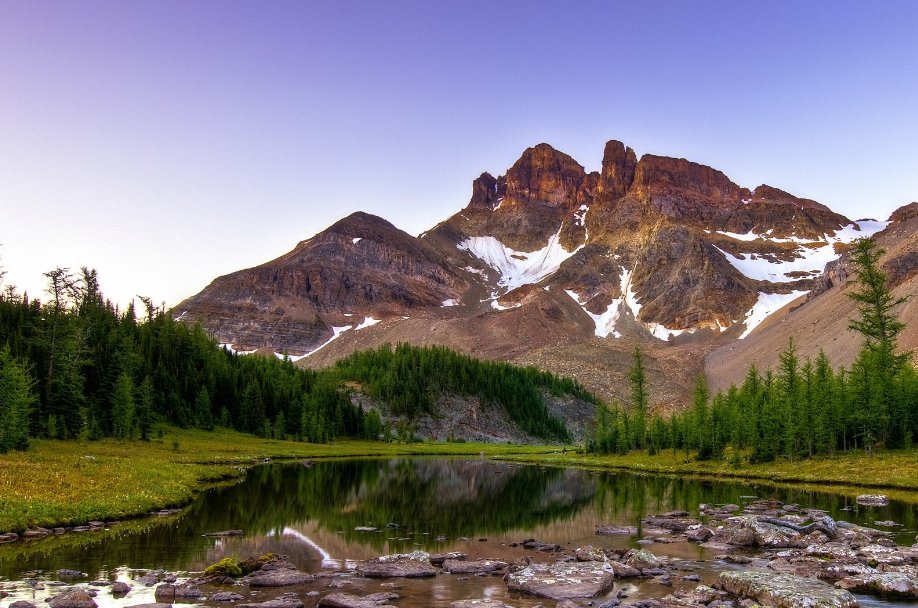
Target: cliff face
x,y
656,251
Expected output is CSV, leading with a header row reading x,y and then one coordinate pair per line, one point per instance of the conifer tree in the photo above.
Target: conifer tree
x,y
639,398
16,400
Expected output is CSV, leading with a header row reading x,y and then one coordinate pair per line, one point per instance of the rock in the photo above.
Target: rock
x,y
22,604
478,604
77,598
873,500
346,600
225,596
643,560
543,547
67,573
366,529
35,534
893,585
120,588
589,554
147,580
562,581
475,567
407,565
624,570
785,590
167,592
772,536
277,572
438,558
675,521
284,601
610,530
8,537
699,534
223,533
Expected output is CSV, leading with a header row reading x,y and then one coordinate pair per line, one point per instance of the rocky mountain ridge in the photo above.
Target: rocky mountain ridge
x,y
547,262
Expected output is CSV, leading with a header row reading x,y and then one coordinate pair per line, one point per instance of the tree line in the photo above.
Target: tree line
x,y
77,367
801,409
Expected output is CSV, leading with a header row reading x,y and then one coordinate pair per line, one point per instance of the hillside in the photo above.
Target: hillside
x,y
556,267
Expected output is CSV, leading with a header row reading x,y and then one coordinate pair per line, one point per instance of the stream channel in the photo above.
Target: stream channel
x,y
312,514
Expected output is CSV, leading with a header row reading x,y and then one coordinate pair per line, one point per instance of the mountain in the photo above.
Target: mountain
x,y
567,270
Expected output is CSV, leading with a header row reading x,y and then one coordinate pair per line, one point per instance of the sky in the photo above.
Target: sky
x,y
167,143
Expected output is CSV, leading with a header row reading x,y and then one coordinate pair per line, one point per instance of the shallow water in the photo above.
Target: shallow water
x,y
474,506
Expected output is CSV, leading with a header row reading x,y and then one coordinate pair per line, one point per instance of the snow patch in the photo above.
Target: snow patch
x,y
450,302
336,332
604,322
228,346
518,268
580,215
496,306
810,256
179,318
500,202
357,240
767,304
474,270
367,322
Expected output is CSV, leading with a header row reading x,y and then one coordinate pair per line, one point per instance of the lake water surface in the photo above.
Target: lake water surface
x,y
471,505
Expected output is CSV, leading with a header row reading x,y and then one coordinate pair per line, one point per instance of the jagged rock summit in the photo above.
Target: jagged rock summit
x,y
545,263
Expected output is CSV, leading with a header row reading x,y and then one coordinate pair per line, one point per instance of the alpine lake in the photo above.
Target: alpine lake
x,y
330,515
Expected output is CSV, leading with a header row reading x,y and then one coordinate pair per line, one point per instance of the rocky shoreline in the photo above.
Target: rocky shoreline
x,y
768,554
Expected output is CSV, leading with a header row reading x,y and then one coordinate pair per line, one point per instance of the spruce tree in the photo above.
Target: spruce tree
x,y
16,400
639,398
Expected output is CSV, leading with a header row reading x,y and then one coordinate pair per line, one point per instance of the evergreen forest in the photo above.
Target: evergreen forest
x,y
801,409
77,367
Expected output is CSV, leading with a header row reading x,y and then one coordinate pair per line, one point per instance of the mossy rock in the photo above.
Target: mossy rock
x,y
225,567
253,564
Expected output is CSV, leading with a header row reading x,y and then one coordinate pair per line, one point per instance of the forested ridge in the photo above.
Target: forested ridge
x,y
77,367
801,409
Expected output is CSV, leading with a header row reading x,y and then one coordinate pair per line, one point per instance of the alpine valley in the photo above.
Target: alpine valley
x,y
551,266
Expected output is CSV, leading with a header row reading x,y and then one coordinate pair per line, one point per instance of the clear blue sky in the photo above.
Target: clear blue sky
x,y
165,143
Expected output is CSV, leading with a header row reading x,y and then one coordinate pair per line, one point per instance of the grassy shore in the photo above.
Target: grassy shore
x,y
69,483
893,472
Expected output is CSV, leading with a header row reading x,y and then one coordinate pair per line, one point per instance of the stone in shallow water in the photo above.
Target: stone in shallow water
x,y
474,567
284,601
894,585
785,590
120,588
873,500
22,604
437,559
167,592
610,530
406,565
225,596
478,604
73,599
563,580
347,600
277,573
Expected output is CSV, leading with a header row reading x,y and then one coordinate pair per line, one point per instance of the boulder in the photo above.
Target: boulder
x,y
643,560
167,592
225,596
474,567
589,554
151,605
77,598
437,559
22,604
563,580
347,600
407,565
610,530
478,604
785,590
120,588
893,585
284,601
873,500
624,570
699,534
68,573
277,572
